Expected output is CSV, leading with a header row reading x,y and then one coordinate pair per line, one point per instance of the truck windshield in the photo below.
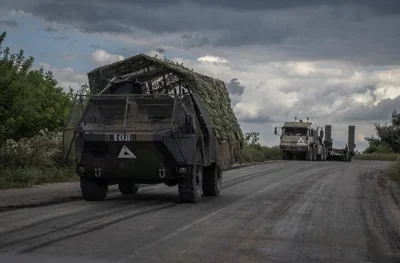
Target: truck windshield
x,y
294,131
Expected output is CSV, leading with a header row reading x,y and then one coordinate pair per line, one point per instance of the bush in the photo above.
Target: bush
x,y
40,151
258,153
394,170
377,156
273,153
33,161
29,176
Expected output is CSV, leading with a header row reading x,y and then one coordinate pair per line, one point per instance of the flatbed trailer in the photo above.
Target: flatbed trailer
x,y
335,154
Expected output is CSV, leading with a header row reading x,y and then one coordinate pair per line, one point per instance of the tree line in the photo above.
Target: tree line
x,y
30,99
387,138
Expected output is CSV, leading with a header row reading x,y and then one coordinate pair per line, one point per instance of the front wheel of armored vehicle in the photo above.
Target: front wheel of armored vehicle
x,y
212,181
191,184
128,188
93,190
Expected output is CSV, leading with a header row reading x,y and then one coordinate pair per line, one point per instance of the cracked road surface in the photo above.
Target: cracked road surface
x,y
292,211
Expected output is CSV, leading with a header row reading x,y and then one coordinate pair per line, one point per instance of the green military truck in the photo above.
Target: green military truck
x,y
151,121
300,140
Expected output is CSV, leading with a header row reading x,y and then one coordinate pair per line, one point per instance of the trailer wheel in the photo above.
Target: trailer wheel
x,y
93,190
212,181
128,188
191,186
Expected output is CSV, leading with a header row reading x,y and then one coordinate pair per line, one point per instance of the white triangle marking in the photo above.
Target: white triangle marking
x,y
300,141
126,153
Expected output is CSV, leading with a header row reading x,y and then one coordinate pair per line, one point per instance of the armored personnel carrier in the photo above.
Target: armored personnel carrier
x,y
151,121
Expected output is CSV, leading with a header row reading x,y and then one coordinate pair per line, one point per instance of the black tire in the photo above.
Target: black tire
x,y
128,188
93,190
190,186
286,156
308,156
212,181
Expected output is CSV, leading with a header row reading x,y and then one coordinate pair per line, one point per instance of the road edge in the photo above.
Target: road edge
x,y
29,197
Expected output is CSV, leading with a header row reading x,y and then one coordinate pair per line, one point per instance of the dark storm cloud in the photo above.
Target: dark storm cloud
x,y
96,46
382,112
8,23
362,31
382,6
61,38
192,41
51,29
234,87
256,119
255,36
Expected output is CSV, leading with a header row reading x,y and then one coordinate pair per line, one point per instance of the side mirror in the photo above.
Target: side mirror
x,y
276,131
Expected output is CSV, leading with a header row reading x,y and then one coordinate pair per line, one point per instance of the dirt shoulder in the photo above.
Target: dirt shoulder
x,y
380,208
46,194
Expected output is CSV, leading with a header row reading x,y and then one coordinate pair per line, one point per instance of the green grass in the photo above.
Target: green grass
x,y
394,171
258,153
26,177
377,156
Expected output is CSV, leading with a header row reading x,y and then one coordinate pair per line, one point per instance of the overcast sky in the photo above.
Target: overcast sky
x,y
334,62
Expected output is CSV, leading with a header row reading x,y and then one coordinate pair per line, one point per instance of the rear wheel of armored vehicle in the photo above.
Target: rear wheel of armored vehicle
x,y
93,190
287,156
212,180
191,186
128,188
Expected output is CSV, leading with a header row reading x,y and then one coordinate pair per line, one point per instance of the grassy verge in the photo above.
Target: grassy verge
x,y
394,167
394,171
27,177
377,156
258,153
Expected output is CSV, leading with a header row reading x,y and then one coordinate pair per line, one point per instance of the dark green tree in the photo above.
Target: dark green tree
x,y
387,136
30,99
252,138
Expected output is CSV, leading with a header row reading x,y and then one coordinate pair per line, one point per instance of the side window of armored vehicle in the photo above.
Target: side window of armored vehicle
x,y
122,88
137,88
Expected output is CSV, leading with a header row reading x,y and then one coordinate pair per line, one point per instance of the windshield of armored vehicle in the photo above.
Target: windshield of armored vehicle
x,y
294,131
133,112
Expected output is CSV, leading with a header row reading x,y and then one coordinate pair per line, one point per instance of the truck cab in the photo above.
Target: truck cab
x,y
300,139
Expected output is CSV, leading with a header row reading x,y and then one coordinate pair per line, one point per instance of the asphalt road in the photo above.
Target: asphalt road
x,y
293,211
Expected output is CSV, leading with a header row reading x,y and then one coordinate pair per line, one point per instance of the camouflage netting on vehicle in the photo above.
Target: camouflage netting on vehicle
x,y
212,91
